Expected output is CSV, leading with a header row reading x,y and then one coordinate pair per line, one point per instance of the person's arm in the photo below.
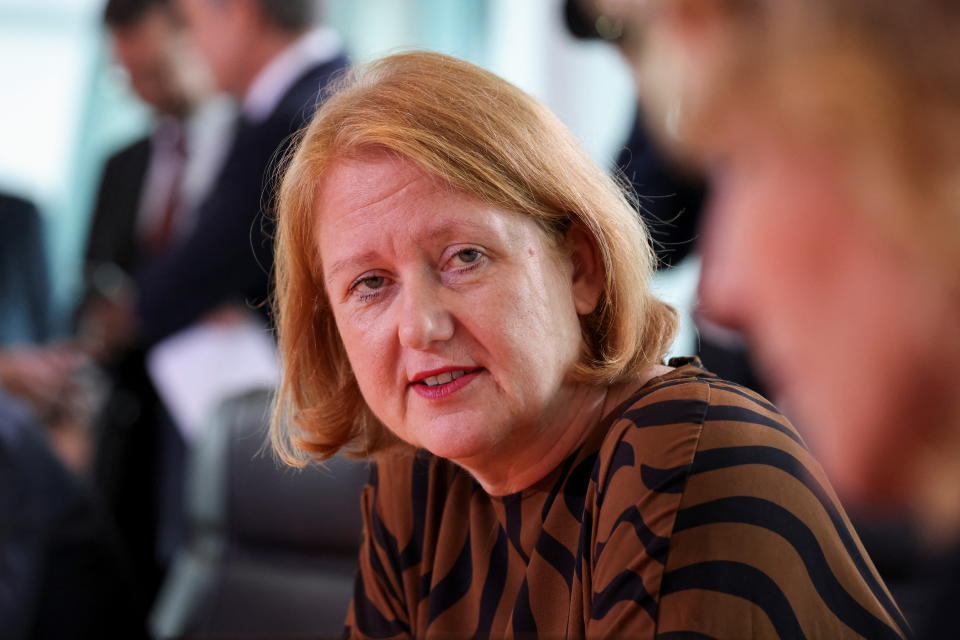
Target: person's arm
x,y
378,609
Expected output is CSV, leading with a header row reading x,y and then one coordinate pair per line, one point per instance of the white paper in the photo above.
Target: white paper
x,y
199,367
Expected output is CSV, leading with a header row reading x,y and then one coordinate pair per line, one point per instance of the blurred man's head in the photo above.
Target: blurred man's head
x,y
149,41
240,37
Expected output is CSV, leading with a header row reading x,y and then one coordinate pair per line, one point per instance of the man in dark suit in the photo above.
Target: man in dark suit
x,y
267,54
146,193
146,188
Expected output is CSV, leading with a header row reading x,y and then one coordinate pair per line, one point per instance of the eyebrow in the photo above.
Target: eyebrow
x,y
441,231
340,265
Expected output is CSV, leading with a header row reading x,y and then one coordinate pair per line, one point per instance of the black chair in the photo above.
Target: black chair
x,y
270,551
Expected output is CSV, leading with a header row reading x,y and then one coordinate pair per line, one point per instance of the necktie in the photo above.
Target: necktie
x,y
164,231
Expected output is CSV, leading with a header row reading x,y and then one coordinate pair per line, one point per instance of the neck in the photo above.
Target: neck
x,y
182,110
516,466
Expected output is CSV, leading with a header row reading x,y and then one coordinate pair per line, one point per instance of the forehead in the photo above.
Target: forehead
x,y
193,10
358,183
154,26
381,191
381,201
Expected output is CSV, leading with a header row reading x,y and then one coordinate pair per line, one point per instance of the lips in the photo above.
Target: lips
x,y
446,375
444,378
440,383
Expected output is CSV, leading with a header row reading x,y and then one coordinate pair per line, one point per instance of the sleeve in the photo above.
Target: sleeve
x,y
378,609
760,546
715,522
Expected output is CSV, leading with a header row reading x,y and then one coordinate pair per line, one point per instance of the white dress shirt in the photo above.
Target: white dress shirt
x,y
317,46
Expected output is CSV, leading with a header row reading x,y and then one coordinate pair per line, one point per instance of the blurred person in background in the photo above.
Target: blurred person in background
x,y
148,190
32,368
145,204
62,570
273,58
669,199
830,132
668,196
463,296
25,302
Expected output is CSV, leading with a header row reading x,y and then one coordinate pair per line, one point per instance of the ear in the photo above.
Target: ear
x,y
588,274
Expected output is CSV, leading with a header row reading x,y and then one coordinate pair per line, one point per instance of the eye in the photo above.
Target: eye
x,y
467,259
468,255
368,287
371,282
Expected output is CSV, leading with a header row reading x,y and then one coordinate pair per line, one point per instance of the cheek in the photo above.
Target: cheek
x,y
538,325
367,354
882,370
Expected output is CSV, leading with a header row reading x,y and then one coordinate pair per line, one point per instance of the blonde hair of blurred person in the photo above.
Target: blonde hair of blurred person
x,y
831,134
524,161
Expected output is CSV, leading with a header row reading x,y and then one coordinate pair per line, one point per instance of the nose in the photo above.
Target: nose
x,y
424,316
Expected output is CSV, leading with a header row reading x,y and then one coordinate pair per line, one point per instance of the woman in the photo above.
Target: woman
x,y
831,133
463,296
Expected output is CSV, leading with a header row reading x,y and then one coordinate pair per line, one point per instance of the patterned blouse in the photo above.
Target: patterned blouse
x,y
693,511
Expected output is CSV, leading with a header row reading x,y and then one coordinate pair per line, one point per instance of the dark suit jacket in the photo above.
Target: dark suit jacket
x,y
24,283
113,231
229,254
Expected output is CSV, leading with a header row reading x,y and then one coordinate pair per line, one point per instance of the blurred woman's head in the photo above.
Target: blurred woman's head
x,y
830,131
406,148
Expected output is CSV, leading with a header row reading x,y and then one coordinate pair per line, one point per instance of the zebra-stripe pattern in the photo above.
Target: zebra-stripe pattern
x,y
693,511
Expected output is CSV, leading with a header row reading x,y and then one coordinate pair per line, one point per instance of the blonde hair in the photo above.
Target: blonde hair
x,y
873,79
481,135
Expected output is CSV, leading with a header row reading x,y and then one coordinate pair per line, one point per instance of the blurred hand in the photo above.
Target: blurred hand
x,y
227,315
108,325
39,375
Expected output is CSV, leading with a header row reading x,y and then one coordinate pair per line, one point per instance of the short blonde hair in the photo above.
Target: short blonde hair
x,y
877,80
486,137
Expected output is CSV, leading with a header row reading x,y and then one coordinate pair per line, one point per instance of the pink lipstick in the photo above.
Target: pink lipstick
x,y
440,383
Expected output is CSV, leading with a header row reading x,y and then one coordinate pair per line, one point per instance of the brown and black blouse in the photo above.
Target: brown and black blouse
x,y
693,511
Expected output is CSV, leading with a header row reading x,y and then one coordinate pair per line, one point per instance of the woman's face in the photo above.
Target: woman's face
x,y
844,324
459,319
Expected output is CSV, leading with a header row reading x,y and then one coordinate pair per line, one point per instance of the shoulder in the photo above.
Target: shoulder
x,y
676,418
15,205
139,149
751,527
126,164
304,96
19,215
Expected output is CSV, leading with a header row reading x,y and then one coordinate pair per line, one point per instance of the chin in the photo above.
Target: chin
x,y
865,457
456,440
